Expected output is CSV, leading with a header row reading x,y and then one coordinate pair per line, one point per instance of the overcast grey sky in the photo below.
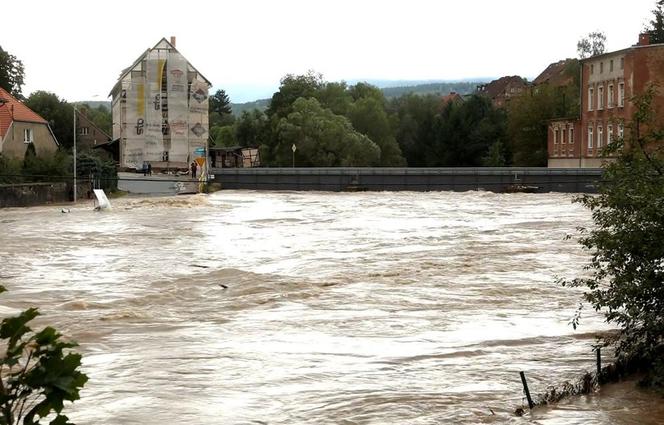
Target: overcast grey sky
x,y
77,49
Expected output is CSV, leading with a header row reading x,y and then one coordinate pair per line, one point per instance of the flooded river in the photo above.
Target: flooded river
x,y
312,308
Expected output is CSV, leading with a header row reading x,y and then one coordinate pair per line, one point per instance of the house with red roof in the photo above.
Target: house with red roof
x,y
21,127
502,90
452,97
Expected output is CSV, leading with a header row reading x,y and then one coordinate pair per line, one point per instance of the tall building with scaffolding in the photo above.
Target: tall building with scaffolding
x,y
160,111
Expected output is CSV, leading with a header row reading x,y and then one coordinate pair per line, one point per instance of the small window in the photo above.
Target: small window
x,y
610,103
601,67
609,133
570,139
600,136
590,98
600,97
611,66
27,135
592,68
622,63
590,137
621,94
84,131
562,135
555,136
621,131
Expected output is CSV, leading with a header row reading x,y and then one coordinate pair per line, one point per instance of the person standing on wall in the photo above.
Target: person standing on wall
x,y
193,169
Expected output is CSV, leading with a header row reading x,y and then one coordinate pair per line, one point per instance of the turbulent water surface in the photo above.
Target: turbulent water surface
x,y
312,308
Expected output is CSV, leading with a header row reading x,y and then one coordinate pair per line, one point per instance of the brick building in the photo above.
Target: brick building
x,y
608,82
500,91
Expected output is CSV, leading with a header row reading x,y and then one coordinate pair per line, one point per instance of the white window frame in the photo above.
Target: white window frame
x,y
555,135
621,131
591,95
562,135
571,136
609,133
621,94
28,135
611,96
590,137
84,131
600,136
600,97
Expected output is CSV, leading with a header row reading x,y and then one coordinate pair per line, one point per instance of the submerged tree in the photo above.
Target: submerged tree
x,y
38,373
627,262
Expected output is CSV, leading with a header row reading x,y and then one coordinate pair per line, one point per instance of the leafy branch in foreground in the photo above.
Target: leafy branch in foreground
x,y
38,373
626,267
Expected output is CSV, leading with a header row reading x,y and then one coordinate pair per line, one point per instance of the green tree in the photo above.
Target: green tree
x,y
626,279
528,120
413,118
656,29
322,138
252,129
369,117
57,112
292,88
220,109
223,136
39,373
591,45
11,73
465,132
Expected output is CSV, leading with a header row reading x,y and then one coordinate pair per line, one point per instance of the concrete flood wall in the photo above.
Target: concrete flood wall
x,y
30,194
156,184
573,180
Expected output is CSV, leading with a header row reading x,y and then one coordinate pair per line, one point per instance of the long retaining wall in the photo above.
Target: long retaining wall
x,y
512,179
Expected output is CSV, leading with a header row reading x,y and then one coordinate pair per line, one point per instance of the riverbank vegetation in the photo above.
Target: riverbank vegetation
x,y
626,267
38,372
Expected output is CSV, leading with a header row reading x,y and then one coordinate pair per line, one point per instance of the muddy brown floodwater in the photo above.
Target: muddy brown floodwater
x,y
340,308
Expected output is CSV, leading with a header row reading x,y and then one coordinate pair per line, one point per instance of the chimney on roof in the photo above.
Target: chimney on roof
x,y
644,39
173,40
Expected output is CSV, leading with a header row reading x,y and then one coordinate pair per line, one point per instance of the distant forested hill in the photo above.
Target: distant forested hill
x,y
260,104
442,88
388,88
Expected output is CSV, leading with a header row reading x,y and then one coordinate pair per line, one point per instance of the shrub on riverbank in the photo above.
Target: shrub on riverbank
x,y
626,268
38,372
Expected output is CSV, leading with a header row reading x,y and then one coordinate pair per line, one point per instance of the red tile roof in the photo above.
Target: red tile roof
x,y
452,97
13,110
555,74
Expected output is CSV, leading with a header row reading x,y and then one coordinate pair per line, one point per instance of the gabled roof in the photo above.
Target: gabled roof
x,y
162,44
13,110
83,117
452,97
554,73
497,87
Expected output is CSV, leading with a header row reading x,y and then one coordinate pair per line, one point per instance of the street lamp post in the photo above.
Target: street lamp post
x,y
293,148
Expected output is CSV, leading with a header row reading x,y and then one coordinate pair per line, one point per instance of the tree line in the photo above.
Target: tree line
x,y
336,124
